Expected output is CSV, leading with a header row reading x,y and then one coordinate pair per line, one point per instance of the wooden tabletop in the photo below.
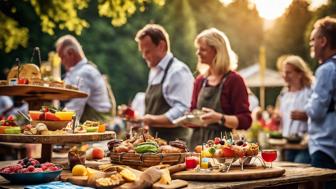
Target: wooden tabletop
x,y
57,139
295,174
33,92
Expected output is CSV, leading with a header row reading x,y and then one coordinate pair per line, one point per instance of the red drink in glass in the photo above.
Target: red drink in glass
x,y
191,162
269,155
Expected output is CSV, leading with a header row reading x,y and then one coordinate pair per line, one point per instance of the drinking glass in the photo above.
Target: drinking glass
x,y
76,157
191,161
269,156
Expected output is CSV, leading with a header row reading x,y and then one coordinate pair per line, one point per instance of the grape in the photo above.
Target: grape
x,y
239,142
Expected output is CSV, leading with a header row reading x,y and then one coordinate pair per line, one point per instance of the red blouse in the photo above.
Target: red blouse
x,y
234,98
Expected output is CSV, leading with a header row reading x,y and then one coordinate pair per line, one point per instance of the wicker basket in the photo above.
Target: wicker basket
x,y
147,159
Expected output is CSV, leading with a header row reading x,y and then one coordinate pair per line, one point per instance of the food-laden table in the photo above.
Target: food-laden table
x,y
296,175
48,140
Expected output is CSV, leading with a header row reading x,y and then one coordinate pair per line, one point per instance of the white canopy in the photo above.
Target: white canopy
x,y
251,75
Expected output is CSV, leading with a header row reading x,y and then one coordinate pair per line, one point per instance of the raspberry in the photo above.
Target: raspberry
x,y
38,170
24,170
7,170
43,167
31,168
53,168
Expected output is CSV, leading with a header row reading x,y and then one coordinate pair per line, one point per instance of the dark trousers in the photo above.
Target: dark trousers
x,y
297,156
322,160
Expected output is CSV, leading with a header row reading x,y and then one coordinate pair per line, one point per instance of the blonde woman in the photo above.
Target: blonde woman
x,y
292,100
219,91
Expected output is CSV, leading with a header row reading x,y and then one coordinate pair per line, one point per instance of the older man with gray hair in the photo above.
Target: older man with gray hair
x,y
79,71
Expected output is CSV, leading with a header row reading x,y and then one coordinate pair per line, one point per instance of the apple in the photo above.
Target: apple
x,y
97,153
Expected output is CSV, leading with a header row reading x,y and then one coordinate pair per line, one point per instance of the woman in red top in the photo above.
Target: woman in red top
x,y
220,91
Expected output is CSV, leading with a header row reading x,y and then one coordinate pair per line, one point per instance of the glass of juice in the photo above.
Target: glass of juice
x,y
269,156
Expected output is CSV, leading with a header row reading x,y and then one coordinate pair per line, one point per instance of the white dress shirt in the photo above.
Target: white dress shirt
x,y
177,87
89,80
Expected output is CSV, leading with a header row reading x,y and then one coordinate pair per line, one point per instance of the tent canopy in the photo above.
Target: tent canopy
x,y
251,75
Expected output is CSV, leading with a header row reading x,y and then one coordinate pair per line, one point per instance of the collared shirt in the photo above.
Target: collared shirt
x,y
177,87
89,80
321,125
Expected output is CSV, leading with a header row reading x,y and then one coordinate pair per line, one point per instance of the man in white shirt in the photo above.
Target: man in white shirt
x,y
170,84
84,74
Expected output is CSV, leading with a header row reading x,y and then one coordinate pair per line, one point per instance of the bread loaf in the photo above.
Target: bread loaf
x,y
27,71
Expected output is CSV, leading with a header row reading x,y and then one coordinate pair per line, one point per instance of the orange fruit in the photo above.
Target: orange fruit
x,y
198,149
101,128
79,170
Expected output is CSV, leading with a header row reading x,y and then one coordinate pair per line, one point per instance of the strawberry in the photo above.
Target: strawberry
x,y
227,152
10,118
51,117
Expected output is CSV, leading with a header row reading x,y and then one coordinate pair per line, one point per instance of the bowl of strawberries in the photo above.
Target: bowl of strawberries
x,y
30,171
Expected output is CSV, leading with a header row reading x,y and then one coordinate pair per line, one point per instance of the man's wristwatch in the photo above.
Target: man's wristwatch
x,y
222,120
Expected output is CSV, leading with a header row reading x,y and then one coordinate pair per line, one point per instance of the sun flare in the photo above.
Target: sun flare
x,y
271,10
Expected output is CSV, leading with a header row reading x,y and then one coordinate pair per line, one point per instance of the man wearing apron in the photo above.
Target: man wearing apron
x,y
170,84
83,74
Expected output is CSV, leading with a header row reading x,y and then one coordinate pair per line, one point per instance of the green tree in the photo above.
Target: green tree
x,y
181,26
326,10
240,22
55,14
287,35
243,26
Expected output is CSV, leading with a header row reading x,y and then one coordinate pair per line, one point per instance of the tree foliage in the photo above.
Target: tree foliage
x,y
287,35
55,14
239,21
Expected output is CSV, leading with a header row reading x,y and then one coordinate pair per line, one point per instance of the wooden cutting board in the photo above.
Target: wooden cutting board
x,y
174,184
235,174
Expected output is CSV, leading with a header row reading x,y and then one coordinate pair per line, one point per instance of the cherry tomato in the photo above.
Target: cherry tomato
x,y
217,140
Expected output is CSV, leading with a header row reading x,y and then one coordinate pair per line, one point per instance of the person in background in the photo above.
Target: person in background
x,y
85,75
168,94
138,104
220,92
253,100
294,97
321,105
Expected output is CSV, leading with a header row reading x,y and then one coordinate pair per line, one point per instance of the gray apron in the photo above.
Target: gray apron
x,y
209,97
156,104
91,114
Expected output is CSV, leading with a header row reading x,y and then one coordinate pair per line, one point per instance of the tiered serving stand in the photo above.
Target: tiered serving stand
x,y
36,96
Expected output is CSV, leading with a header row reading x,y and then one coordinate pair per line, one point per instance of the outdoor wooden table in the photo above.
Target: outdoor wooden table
x,y
296,175
282,145
48,140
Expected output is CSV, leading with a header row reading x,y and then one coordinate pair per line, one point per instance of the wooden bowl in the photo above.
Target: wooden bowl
x,y
52,125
